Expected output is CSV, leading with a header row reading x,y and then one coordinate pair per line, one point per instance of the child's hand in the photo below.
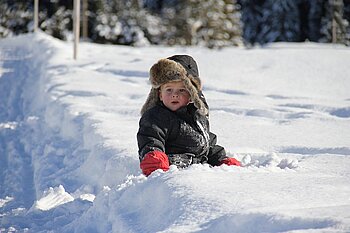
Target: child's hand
x,y
231,162
154,160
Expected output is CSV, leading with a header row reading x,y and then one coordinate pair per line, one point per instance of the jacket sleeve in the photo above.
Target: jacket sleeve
x,y
151,135
216,153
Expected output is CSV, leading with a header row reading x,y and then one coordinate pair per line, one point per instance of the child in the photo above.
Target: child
x,y
174,127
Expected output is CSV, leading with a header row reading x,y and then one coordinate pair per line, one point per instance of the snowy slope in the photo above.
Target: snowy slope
x,y
68,152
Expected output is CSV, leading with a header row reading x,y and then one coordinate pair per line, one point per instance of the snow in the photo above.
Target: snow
x,y
52,198
68,150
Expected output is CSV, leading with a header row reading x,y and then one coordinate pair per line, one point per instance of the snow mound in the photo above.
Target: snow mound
x,y
52,198
68,151
269,161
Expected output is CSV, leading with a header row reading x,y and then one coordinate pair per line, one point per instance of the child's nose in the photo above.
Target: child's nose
x,y
175,93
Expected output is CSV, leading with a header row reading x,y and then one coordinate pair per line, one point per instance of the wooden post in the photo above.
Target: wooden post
x,y
76,27
85,19
333,22
334,31
36,15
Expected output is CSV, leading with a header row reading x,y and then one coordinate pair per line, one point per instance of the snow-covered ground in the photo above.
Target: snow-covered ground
x,y
68,151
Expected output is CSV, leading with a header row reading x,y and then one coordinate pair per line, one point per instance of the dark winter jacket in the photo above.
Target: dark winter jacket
x,y
183,135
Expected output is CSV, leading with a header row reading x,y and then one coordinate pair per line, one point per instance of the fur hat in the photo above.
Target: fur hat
x,y
175,68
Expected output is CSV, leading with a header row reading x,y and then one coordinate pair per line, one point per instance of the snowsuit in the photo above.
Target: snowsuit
x,y
183,135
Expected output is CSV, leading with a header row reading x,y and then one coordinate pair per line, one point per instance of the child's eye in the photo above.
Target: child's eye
x,y
168,90
182,90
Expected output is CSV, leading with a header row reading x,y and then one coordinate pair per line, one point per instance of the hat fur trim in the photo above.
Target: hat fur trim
x,y
166,70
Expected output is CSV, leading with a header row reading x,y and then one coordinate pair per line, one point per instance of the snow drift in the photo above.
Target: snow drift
x,y
68,140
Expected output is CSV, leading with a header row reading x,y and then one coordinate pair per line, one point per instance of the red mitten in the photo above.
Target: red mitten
x,y
230,162
154,160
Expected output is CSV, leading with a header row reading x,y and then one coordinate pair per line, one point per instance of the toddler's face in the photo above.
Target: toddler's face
x,y
174,95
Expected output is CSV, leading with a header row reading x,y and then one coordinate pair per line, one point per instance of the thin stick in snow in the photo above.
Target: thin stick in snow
x,y
36,15
76,27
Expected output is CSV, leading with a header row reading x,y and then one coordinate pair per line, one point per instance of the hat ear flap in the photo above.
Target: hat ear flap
x,y
195,96
152,99
196,82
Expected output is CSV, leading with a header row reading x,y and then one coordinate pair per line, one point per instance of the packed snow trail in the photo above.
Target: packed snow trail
x,y
16,178
45,143
23,66
69,157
